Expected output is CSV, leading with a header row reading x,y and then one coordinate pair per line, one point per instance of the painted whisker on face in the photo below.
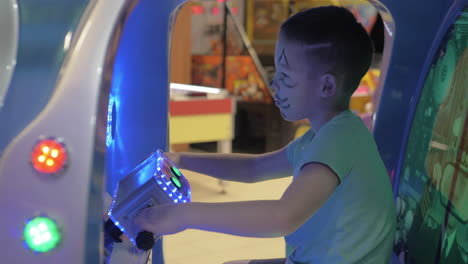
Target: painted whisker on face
x,y
286,80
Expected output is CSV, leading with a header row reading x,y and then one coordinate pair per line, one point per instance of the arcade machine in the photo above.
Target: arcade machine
x,y
421,127
84,93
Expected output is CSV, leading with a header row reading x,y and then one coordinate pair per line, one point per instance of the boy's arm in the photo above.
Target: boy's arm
x,y
235,166
274,218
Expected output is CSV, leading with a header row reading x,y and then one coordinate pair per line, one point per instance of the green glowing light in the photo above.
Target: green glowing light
x,y
176,182
41,234
176,171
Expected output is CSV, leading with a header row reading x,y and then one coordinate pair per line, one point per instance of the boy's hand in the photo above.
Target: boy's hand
x,y
160,220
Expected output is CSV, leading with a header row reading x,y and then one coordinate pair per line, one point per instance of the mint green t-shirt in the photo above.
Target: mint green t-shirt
x,y
357,223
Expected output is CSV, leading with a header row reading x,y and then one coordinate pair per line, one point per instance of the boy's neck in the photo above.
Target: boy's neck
x,y
320,119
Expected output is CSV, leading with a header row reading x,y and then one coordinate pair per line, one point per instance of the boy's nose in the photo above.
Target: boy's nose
x,y
274,87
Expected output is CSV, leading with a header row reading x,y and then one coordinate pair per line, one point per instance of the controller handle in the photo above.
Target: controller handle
x,y
145,240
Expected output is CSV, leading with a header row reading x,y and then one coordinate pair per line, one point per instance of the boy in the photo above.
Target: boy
x,y
339,206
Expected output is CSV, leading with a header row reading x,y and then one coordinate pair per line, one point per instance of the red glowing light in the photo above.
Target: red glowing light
x,y
234,10
215,10
49,156
198,9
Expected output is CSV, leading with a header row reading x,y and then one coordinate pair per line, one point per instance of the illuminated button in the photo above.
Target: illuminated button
x,y
49,156
54,153
176,171
176,182
41,158
41,234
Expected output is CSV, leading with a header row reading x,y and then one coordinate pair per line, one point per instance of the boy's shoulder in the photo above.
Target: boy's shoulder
x,y
344,134
345,125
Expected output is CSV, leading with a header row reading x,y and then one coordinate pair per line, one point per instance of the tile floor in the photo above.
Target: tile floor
x,y
201,247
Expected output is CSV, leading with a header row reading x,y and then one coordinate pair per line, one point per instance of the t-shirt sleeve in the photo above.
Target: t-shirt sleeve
x,y
291,150
334,145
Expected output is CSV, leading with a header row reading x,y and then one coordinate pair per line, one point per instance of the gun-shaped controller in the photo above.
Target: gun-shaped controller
x,y
154,181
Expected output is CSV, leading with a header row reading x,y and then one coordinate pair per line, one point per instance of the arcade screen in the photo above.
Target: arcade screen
x,y
433,190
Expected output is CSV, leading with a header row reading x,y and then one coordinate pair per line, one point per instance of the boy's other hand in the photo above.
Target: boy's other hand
x,y
160,220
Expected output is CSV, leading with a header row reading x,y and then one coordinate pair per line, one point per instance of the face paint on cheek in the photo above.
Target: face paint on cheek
x,y
283,60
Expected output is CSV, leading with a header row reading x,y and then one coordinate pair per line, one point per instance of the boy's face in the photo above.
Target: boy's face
x,y
296,81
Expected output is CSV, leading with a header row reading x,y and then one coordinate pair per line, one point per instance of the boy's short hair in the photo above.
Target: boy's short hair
x,y
350,50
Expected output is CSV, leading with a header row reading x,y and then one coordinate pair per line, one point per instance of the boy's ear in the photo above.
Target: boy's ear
x,y
327,85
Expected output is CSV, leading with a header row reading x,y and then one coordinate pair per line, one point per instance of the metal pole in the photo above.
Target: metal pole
x,y
224,40
248,45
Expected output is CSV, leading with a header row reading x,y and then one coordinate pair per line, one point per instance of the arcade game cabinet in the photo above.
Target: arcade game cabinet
x,y
422,127
84,86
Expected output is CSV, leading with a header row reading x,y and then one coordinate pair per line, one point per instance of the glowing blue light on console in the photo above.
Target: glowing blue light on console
x,y
110,116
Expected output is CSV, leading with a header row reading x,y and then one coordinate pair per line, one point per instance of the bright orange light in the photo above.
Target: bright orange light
x,y
49,156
